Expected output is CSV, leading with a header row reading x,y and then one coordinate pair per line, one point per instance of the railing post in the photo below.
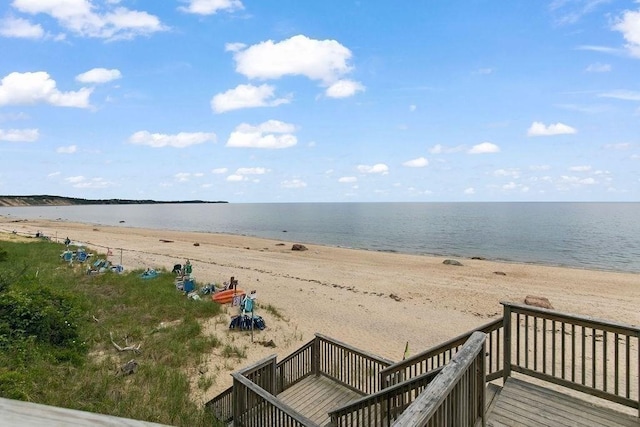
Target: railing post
x,y
315,356
506,318
482,383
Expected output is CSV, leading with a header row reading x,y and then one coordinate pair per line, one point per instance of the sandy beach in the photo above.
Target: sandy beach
x,y
371,300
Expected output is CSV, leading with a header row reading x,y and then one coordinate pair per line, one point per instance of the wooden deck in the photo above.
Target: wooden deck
x,y
314,397
520,403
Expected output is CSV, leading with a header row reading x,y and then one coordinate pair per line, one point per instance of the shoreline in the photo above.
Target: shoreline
x,y
4,218
376,301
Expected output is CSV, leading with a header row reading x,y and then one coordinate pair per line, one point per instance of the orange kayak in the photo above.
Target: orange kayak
x,y
225,297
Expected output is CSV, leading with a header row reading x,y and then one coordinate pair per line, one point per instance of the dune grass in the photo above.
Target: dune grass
x,y
56,324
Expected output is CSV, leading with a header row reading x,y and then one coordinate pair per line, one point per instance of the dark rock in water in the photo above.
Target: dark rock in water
x,y
481,258
451,262
298,247
121,221
500,273
535,301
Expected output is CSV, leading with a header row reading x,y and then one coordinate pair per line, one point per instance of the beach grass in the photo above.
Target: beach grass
x,y
56,329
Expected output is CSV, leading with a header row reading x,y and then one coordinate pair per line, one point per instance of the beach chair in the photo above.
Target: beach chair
x,y
67,256
81,256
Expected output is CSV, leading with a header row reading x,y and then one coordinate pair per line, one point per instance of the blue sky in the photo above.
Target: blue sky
x,y
321,101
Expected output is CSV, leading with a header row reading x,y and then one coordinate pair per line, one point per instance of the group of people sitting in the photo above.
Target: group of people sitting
x,y
183,270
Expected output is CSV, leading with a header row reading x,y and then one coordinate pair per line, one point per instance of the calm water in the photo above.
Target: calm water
x,y
585,235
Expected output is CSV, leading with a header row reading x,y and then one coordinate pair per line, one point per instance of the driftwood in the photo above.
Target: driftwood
x,y
127,347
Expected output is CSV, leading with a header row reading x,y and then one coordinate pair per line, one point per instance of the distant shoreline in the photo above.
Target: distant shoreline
x,y
46,200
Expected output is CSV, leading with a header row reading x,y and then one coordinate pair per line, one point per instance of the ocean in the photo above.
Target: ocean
x,y
602,236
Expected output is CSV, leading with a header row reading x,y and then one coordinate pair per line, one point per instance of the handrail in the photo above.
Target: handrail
x,y
576,319
594,356
438,356
222,406
368,355
456,395
295,367
258,408
394,399
349,366
262,373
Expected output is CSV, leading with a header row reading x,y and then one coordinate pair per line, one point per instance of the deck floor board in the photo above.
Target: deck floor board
x,y
524,404
314,397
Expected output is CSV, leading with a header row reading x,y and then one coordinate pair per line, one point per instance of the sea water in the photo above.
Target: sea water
x,y
584,235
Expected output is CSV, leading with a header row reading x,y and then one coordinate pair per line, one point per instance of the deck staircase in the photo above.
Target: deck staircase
x,y
532,367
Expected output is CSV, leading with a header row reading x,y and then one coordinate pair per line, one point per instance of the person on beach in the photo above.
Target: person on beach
x,y
67,241
188,268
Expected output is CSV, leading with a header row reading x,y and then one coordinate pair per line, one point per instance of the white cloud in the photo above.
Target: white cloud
x,y
246,96
470,190
99,75
344,89
540,168
271,134
420,162
38,87
82,182
512,173
629,25
512,186
412,108
484,148
180,140
348,179
85,18
251,171
67,150
211,7
598,68
75,179
19,135
569,12
219,170
322,60
580,168
183,176
294,183
624,95
380,168
20,28
575,181
540,129
618,147
236,178
441,149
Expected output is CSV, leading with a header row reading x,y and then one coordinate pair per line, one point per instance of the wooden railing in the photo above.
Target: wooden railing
x,y
222,405
295,367
456,397
354,368
255,407
383,407
594,356
439,356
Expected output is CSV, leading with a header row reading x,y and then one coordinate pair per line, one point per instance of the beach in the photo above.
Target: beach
x,y
375,301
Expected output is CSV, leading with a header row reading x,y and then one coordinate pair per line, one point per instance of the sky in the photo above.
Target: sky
x,y
252,101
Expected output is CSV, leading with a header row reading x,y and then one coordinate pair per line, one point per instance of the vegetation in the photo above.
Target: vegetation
x,y
56,324
45,200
